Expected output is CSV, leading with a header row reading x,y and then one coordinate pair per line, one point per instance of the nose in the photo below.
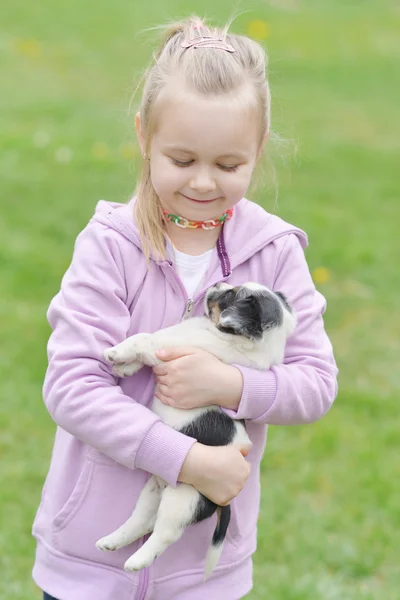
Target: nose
x,y
203,181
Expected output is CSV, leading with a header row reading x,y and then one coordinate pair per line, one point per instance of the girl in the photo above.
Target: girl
x,y
137,267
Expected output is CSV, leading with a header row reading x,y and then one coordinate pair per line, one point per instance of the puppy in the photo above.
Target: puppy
x,y
246,325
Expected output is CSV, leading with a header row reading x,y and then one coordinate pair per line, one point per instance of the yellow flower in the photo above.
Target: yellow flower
x,y
100,150
28,47
321,275
258,29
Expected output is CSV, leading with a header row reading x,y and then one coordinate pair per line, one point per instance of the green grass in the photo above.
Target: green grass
x,y
330,517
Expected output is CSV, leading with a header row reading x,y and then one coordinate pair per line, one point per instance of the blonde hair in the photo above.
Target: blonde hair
x,y
206,71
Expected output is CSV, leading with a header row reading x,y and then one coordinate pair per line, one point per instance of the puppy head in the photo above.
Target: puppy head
x,y
248,310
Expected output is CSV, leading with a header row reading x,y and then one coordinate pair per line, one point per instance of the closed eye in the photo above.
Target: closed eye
x,y
180,163
229,169
183,164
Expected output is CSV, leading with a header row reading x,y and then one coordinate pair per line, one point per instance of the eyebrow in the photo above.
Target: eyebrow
x,y
239,155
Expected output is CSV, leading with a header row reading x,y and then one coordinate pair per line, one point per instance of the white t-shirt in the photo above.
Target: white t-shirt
x,y
191,269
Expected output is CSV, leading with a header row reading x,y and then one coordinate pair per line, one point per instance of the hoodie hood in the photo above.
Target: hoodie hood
x,y
248,231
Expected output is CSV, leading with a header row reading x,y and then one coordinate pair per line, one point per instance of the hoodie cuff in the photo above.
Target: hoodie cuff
x,y
258,395
163,452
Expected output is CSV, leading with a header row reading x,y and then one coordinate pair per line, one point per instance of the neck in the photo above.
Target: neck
x,y
192,241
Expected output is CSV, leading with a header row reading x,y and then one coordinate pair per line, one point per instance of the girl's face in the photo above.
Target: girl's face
x,y
202,154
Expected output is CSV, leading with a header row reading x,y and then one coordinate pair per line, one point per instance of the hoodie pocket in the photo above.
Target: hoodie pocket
x,y
78,495
102,499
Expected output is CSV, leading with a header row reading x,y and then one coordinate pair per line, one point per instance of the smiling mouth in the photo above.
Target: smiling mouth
x,y
200,201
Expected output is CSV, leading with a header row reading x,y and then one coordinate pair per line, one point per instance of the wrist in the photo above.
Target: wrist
x,y
189,468
232,388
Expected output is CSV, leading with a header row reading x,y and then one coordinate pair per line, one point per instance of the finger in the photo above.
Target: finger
x,y
225,503
160,369
163,389
245,449
164,399
173,353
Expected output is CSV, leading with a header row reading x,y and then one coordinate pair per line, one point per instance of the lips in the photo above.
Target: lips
x,y
200,201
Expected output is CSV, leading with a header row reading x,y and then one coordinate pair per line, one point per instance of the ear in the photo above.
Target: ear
x,y
284,301
139,133
243,318
271,311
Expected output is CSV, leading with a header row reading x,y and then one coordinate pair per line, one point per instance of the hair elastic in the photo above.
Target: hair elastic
x,y
205,41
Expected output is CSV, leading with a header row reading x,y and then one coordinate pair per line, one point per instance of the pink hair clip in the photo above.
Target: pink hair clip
x,y
208,42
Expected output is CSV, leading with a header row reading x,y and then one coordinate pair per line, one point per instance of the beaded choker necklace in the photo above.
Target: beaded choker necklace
x,y
188,224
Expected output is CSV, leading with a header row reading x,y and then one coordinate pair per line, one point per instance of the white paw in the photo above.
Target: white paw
x,y
128,350
121,353
110,355
138,561
107,544
126,369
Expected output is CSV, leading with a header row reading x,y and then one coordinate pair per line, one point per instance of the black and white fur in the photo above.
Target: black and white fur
x,y
246,325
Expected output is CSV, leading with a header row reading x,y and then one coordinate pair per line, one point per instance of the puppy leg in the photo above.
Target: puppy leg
x,y
136,348
140,522
176,512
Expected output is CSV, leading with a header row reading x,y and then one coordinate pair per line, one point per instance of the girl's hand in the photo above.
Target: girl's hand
x,y
192,378
217,472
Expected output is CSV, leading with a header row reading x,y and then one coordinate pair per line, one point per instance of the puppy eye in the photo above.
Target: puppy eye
x,y
227,299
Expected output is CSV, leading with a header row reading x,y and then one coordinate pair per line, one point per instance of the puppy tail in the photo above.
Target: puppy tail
x,y
215,550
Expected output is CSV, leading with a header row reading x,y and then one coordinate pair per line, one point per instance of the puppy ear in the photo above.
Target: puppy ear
x,y
271,310
284,301
243,318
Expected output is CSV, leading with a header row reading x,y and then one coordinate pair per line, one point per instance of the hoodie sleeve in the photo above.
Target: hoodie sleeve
x,y
303,388
89,314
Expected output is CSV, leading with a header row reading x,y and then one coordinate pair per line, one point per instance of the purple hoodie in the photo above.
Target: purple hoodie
x,y
108,440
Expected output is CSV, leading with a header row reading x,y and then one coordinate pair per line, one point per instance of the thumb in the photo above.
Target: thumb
x,y
244,450
172,353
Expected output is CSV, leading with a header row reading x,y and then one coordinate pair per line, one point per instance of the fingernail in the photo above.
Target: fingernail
x,y
161,352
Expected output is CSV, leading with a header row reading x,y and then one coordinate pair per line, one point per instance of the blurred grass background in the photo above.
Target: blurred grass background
x,y
330,518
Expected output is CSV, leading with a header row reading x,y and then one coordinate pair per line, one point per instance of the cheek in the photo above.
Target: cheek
x,y
164,176
238,184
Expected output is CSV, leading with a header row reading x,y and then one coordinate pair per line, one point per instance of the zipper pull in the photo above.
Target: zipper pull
x,y
188,311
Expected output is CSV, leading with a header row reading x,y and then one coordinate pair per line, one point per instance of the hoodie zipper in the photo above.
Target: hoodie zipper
x,y
144,573
190,303
188,309
143,583
143,580
226,272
